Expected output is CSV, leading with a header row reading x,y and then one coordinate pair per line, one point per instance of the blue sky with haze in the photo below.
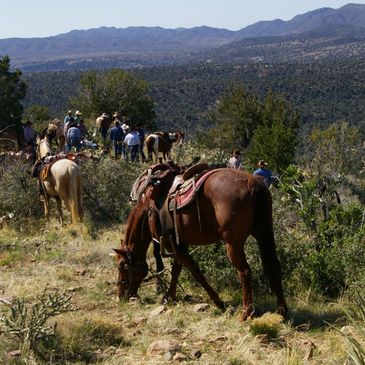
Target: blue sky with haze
x,y
41,18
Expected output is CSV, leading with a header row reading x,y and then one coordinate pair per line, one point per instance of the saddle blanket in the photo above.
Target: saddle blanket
x,y
187,192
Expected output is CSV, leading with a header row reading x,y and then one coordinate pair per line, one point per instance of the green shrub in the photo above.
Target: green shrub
x,y
107,185
268,324
19,193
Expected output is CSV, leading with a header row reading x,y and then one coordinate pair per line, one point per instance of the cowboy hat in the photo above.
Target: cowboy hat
x,y
78,112
104,115
116,114
262,163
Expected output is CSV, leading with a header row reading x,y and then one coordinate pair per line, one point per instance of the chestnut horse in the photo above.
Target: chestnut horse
x,y
63,182
230,206
162,142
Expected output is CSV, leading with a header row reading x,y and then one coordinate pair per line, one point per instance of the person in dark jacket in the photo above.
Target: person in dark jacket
x,y
117,138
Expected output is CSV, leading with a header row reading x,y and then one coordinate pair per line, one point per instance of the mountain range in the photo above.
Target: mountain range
x,y
324,33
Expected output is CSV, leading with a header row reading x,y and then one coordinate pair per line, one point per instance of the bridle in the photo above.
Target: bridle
x,y
133,266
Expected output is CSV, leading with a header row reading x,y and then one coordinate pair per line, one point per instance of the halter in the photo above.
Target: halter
x,y
139,265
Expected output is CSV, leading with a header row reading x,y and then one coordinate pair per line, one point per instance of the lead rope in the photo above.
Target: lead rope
x,y
175,224
197,206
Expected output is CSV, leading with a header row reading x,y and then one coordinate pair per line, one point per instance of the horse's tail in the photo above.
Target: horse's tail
x,y
264,234
74,191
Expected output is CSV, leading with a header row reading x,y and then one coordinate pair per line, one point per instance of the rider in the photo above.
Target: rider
x,y
235,161
265,173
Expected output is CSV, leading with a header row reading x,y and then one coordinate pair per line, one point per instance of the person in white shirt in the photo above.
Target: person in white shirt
x,y
132,142
235,161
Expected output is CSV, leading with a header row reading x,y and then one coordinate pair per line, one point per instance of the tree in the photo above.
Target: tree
x,y
275,139
235,117
37,114
115,90
12,91
336,150
264,130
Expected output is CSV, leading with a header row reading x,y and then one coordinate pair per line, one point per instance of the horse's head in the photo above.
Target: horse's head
x,y
43,146
131,272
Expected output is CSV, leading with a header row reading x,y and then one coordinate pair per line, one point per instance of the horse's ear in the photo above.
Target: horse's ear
x,y
118,251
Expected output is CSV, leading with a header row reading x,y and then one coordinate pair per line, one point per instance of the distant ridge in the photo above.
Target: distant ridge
x,y
150,46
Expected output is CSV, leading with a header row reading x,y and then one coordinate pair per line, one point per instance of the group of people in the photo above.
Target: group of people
x,y
127,141
262,167
74,130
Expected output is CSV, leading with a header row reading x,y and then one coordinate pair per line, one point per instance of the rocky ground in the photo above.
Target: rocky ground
x,y
101,329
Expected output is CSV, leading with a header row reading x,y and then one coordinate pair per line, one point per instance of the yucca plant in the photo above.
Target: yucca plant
x,y
356,316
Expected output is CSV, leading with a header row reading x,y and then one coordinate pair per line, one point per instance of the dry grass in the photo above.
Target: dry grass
x,y
108,332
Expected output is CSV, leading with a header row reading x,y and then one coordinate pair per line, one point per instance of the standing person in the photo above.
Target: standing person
x,y
77,118
117,138
141,134
125,126
103,124
74,137
67,126
265,173
235,161
29,134
68,117
132,143
81,126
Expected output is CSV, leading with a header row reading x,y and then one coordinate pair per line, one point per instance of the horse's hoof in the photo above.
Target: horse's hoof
x,y
247,313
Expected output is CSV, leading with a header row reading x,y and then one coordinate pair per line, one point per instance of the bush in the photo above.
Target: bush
x,y
268,324
18,193
107,184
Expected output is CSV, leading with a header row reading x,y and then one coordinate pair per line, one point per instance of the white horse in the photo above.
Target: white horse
x,y
62,182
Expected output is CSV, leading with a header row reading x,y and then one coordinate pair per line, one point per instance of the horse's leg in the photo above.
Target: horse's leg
x,y
46,206
59,208
183,257
159,265
271,266
238,259
175,272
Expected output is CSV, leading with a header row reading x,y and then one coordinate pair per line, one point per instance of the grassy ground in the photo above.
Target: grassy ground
x,y
101,329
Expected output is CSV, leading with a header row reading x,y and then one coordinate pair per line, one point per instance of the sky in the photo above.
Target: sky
x,y
42,18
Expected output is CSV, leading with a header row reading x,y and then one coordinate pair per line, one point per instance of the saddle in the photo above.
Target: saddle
x,y
182,193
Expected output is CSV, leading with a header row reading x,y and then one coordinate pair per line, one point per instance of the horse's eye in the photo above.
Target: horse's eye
x,y
126,266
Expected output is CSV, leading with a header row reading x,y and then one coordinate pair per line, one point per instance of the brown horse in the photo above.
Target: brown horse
x,y
54,131
62,182
162,142
230,206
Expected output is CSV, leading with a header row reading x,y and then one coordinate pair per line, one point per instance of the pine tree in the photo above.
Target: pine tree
x,y
12,92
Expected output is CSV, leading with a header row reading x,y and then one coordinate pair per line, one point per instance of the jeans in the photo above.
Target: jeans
x,y
133,150
118,148
74,142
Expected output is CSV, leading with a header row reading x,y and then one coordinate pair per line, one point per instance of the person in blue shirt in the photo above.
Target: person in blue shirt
x,y
117,138
266,174
74,137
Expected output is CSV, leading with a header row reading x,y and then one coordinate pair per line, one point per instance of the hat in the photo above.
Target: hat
x,y
104,115
78,112
116,114
262,163
236,153
69,112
